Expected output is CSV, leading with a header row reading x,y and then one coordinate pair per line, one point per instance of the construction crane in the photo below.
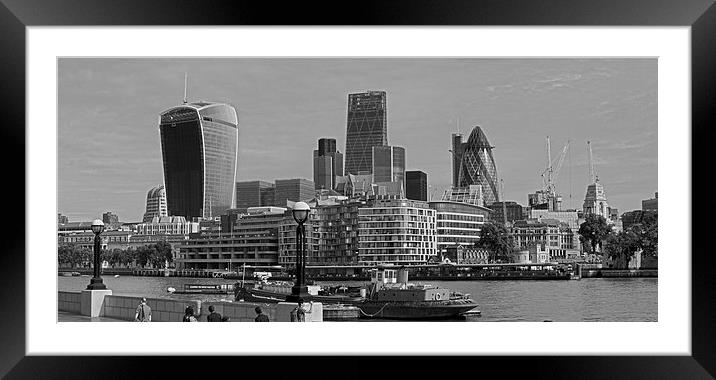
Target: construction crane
x,y
550,174
504,208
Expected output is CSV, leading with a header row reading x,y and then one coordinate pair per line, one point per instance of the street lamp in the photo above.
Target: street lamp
x,y
299,291
96,281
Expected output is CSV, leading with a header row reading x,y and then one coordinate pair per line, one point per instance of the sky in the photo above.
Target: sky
x,y
109,152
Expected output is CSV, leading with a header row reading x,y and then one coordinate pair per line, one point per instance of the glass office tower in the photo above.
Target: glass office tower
x,y
477,166
367,127
388,164
199,149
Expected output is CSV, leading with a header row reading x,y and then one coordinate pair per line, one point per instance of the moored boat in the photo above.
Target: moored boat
x,y
392,298
265,291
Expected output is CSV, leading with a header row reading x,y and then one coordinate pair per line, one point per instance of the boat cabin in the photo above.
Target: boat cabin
x,y
392,285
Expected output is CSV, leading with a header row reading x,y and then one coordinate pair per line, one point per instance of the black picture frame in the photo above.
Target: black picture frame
x,y
16,15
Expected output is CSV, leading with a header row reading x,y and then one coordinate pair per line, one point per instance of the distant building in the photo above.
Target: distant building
x,y
323,177
457,147
396,231
388,164
327,164
457,225
167,225
252,241
477,165
569,217
199,149
74,227
512,209
295,190
556,236
651,204
287,239
471,195
110,220
108,240
367,126
156,203
254,194
395,188
416,185
543,200
595,201
631,218
62,219
338,226
354,185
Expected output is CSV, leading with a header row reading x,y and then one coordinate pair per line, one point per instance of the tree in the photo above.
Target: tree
x,y
648,232
165,251
71,255
622,246
142,255
114,256
65,255
496,239
594,231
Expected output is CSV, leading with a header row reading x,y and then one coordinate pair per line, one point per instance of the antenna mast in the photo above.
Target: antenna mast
x,y
185,80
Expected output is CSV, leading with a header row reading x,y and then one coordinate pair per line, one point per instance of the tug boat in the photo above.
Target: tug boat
x,y
276,291
387,296
394,298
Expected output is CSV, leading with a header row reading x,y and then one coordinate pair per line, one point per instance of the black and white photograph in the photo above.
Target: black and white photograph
x,y
357,189
476,180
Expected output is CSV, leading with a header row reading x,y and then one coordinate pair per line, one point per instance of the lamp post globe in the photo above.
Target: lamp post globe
x,y
96,281
97,226
300,212
299,291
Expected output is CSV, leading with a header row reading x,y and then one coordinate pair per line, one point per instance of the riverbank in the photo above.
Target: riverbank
x,y
588,300
620,273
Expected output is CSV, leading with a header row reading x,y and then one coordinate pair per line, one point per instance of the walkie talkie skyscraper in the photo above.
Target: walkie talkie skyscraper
x,y
199,149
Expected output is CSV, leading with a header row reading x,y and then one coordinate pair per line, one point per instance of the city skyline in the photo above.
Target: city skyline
x,y
108,163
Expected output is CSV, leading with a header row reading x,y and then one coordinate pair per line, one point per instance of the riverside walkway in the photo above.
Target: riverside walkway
x,y
63,316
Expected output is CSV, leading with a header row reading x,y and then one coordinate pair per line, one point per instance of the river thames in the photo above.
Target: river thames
x,y
585,300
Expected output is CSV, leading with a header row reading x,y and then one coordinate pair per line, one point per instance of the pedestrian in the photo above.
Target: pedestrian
x,y
213,316
144,312
260,317
189,314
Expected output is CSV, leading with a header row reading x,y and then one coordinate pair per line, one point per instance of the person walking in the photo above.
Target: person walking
x,y
144,312
260,317
213,316
189,315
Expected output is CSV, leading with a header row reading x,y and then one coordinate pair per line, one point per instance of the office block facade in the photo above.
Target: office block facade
x,y
416,185
294,190
458,225
156,204
199,151
396,231
252,241
253,194
367,126
388,164
327,164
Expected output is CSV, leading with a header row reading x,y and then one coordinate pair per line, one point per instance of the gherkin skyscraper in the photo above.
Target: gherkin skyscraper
x,y
477,166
